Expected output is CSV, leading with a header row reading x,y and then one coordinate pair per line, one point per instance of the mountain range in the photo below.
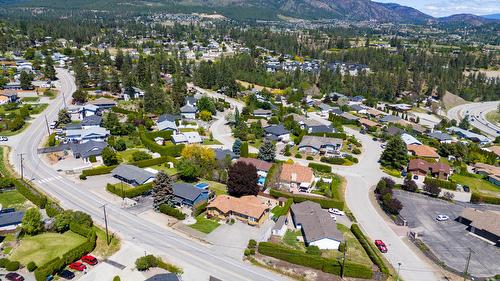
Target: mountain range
x,y
266,9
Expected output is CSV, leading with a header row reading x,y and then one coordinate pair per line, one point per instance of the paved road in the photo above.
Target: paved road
x,y
477,113
198,260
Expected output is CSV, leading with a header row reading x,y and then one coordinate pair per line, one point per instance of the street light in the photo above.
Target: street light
x,y
399,267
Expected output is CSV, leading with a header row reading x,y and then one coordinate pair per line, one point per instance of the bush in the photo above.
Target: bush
x,y
333,160
52,209
146,262
282,211
342,247
12,265
31,266
288,153
48,268
351,158
252,244
320,167
130,193
298,155
440,183
52,139
313,250
171,211
478,198
356,150
140,156
324,202
330,135
116,278
98,171
199,208
31,193
147,140
152,162
3,262
374,257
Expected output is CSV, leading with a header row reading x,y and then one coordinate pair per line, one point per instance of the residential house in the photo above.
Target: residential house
x,y
167,122
15,85
394,131
164,277
441,137
422,151
485,224
188,195
310,125
84,135
248,209
296,178
317,226
262,167
277,132
88,149
222,154
390,119
495,149
322,145
325,109
358,108
367,123
409,139
187,138
264,113
349,116
10,95
469,135
10,220
132,174
320,128
88,110
491,172
280,227
91,121
418,129
375,113
132,93
188,111
421,168
103,103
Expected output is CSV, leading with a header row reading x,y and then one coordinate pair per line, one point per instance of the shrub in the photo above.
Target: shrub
x,y
320,167
440,183
330,135
432,188
171,211
52,209
298,155
141,155
333,160
324,202
199,208
130,193
313,250
309,157
3,262
342,247
169,267
476,198
31,266
116,278
252,244
146,262
83,177
12,265
98,171
356,150
52,139
288,153
31,194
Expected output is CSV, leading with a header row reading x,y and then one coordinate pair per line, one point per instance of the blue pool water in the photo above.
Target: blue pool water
x,y
202,185
261,180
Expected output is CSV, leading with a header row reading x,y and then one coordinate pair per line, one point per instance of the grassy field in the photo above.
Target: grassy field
x,y
102,248
355,251
477,184
12,199
162,167
493,117
217,187
44,247
131,141
392,172
204,225
211,142
290,239
126,155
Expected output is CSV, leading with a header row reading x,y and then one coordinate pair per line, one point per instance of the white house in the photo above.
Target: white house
x,y
188,111
280,227
84,135
187,138
409,139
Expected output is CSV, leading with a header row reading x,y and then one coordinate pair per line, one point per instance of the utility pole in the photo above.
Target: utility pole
x,y
343,261
467,265
106,223
399,267
22,167
47,123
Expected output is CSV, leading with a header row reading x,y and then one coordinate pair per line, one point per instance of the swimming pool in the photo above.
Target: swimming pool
x,y
202,185
261,180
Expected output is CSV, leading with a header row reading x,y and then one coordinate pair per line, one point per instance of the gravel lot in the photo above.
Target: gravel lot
x,y
449,240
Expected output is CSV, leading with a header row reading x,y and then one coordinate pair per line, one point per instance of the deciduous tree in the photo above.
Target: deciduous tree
x,y
32,221
242,180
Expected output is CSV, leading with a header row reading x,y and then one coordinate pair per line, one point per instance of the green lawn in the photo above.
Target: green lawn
x,y
183,130
11,198
477,184
493,117
102,248
126,155
44,247
30,99
204,225
131,141
391,172
217,187
355,251
290,239
211,142
163,167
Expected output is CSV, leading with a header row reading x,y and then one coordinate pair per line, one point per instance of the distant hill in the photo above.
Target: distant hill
x,y
492,16
465,18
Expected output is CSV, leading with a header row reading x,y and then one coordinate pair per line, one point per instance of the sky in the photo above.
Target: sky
x,y
441,8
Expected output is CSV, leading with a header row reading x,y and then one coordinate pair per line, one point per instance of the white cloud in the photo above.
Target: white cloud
x,y
440,8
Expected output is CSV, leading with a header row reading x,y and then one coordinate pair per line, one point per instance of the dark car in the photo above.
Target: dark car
x,y
381,246
466,188
66,274
14,277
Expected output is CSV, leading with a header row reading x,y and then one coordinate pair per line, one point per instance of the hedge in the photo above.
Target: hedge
x,y
151,162
282,211
6,183
31,193
102,170
199,208
313,261
117,109
171,211
330,135
376,259
324,202
441,183
52,209
167,150
163,134
333,160
476,198
98,171
130,193
320,167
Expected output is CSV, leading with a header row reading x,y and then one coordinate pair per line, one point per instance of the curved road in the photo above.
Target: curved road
x,y
198,260
477,113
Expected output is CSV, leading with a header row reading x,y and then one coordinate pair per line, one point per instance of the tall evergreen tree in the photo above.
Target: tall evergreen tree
x,y
267,151
162,190
395,154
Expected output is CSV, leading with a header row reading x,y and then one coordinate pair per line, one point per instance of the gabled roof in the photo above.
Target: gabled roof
x,y
321,129
220,154
422,165
349,116
132,173
390,118
246,205
90,148
259,164
316,223
188,109
186,191
357,107
296,173
394,131
276,130
169,117
469,135
319,142
166,125
11,218
92,120
440,136
367,122
422,150
409,139
262,112
103,102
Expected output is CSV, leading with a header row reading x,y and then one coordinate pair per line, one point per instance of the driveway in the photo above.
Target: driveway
x,y
449,240
231,240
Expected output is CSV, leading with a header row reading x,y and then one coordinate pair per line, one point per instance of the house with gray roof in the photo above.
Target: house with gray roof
x,y
10,220
84,135
280,227
317,226
264,113
132,174
320,129
277,132
188,195
323,145
189,111
390,119
87,149
103,103
469,135
349,116
440,136
167,122
91,121
221,154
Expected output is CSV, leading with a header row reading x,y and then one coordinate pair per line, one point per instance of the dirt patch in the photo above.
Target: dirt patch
x,y
258,87
450,100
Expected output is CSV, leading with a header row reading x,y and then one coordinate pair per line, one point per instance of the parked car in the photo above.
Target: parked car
x,y
88,259
334,217
66,274
336,212
381,246
442,218
4,139
12,276
77,266
466,188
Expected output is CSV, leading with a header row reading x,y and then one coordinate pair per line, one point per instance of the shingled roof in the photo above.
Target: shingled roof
x,y
316,223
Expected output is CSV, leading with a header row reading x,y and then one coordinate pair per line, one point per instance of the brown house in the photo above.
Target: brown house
x,y
419,167
248,208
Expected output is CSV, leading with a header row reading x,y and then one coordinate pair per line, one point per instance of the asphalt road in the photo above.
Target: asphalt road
x,y
198,260
477,113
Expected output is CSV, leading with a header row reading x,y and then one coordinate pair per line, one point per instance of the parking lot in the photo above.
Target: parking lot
x,y
449,240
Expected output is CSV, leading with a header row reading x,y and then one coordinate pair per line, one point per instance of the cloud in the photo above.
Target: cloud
x,y
440,8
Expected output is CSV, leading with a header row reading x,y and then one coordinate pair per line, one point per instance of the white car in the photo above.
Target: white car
x,y
336,212
4,139
442,218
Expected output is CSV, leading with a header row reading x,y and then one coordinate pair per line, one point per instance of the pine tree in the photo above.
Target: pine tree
x,y
237,147
162,190
395,154
63,117
267,151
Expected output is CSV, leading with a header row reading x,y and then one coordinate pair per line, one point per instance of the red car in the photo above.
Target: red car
x,y
381,246
88,259
14,277
77,266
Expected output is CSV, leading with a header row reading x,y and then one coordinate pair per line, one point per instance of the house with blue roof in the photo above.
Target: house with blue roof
x,y
469,135
189,195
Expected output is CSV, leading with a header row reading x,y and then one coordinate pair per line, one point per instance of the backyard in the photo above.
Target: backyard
x,y
12,199
44,247
477,184
355,251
